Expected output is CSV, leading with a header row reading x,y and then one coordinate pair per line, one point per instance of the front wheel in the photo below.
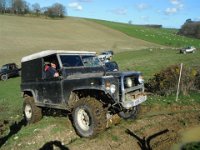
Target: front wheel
x,y
32,113
130,113
89,117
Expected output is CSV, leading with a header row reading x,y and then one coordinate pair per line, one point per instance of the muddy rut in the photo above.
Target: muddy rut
x,y
155,128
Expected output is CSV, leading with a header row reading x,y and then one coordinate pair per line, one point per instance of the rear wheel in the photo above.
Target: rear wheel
x,y
89,117
130,113
32,113
4,77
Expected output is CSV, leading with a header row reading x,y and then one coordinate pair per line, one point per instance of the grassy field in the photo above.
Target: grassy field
x,y
23,36
10,99
147,61
150,61
20,36
167,37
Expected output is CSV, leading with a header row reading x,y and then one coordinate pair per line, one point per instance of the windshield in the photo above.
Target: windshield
x,y
4,68
91,61
79,61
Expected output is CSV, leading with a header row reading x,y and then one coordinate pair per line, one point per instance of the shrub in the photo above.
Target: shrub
x,y
197,79
166,81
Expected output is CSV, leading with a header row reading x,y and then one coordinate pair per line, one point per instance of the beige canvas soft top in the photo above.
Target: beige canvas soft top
x,y
50,52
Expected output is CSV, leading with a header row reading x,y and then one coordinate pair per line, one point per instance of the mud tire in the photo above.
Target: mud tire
x,y
32,113
89,117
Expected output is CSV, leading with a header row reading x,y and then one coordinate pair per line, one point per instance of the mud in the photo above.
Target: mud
x,y
156,128
3,126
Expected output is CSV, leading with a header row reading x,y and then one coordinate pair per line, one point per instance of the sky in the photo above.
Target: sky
x,y
169,13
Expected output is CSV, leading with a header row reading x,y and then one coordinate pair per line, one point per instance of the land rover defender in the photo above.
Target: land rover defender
x,y
83,87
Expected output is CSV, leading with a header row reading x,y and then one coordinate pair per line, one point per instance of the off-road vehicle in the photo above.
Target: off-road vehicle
x,y
189,49
83,88
8,71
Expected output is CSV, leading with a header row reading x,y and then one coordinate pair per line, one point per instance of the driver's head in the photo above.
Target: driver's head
x,y
53,64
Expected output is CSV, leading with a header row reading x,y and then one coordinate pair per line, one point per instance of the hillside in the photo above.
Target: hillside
x,y
20,36
162,36
161,122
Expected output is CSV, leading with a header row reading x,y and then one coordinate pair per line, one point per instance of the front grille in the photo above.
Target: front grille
x,y
129,92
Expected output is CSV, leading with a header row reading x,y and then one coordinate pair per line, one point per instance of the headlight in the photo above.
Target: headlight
x,y
129,82
112,88
140,79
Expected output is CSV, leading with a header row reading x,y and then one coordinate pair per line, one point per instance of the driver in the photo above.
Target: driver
x,y
51,70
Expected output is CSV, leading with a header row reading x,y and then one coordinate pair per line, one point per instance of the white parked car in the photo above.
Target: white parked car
x,y
189,49
106,56
102,57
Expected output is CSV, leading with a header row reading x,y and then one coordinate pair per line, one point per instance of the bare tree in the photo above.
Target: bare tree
x,y
190,28
56,10
2,6
20,7
36,9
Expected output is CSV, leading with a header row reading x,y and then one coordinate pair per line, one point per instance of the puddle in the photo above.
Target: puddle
x,y
190,135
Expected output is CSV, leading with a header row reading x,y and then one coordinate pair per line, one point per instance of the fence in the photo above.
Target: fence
x,y
175,79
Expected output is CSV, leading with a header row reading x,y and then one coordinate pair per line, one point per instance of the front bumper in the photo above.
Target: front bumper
x,y
129,103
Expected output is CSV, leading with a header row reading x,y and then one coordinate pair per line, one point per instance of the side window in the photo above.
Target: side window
x,y
50,67
12,67
71,61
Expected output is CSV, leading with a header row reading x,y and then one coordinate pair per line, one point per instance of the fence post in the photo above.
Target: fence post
x,y
179,80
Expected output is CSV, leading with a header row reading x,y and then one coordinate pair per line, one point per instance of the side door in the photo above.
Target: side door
x,y
51,88
52,91
13,70
9,71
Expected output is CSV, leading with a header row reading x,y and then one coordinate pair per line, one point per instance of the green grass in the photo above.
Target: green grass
x,y
191,98
161,36
191,146
10,99
151,61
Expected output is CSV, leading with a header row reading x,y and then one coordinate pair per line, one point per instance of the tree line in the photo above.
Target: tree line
x,y
21,7
190,28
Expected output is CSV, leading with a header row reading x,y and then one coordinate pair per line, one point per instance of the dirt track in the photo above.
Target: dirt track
x,y
155,128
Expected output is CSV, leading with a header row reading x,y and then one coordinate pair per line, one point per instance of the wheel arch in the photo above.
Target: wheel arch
x,y
28,92
98,94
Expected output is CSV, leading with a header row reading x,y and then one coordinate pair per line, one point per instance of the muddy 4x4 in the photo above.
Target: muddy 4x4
x,y
83,88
